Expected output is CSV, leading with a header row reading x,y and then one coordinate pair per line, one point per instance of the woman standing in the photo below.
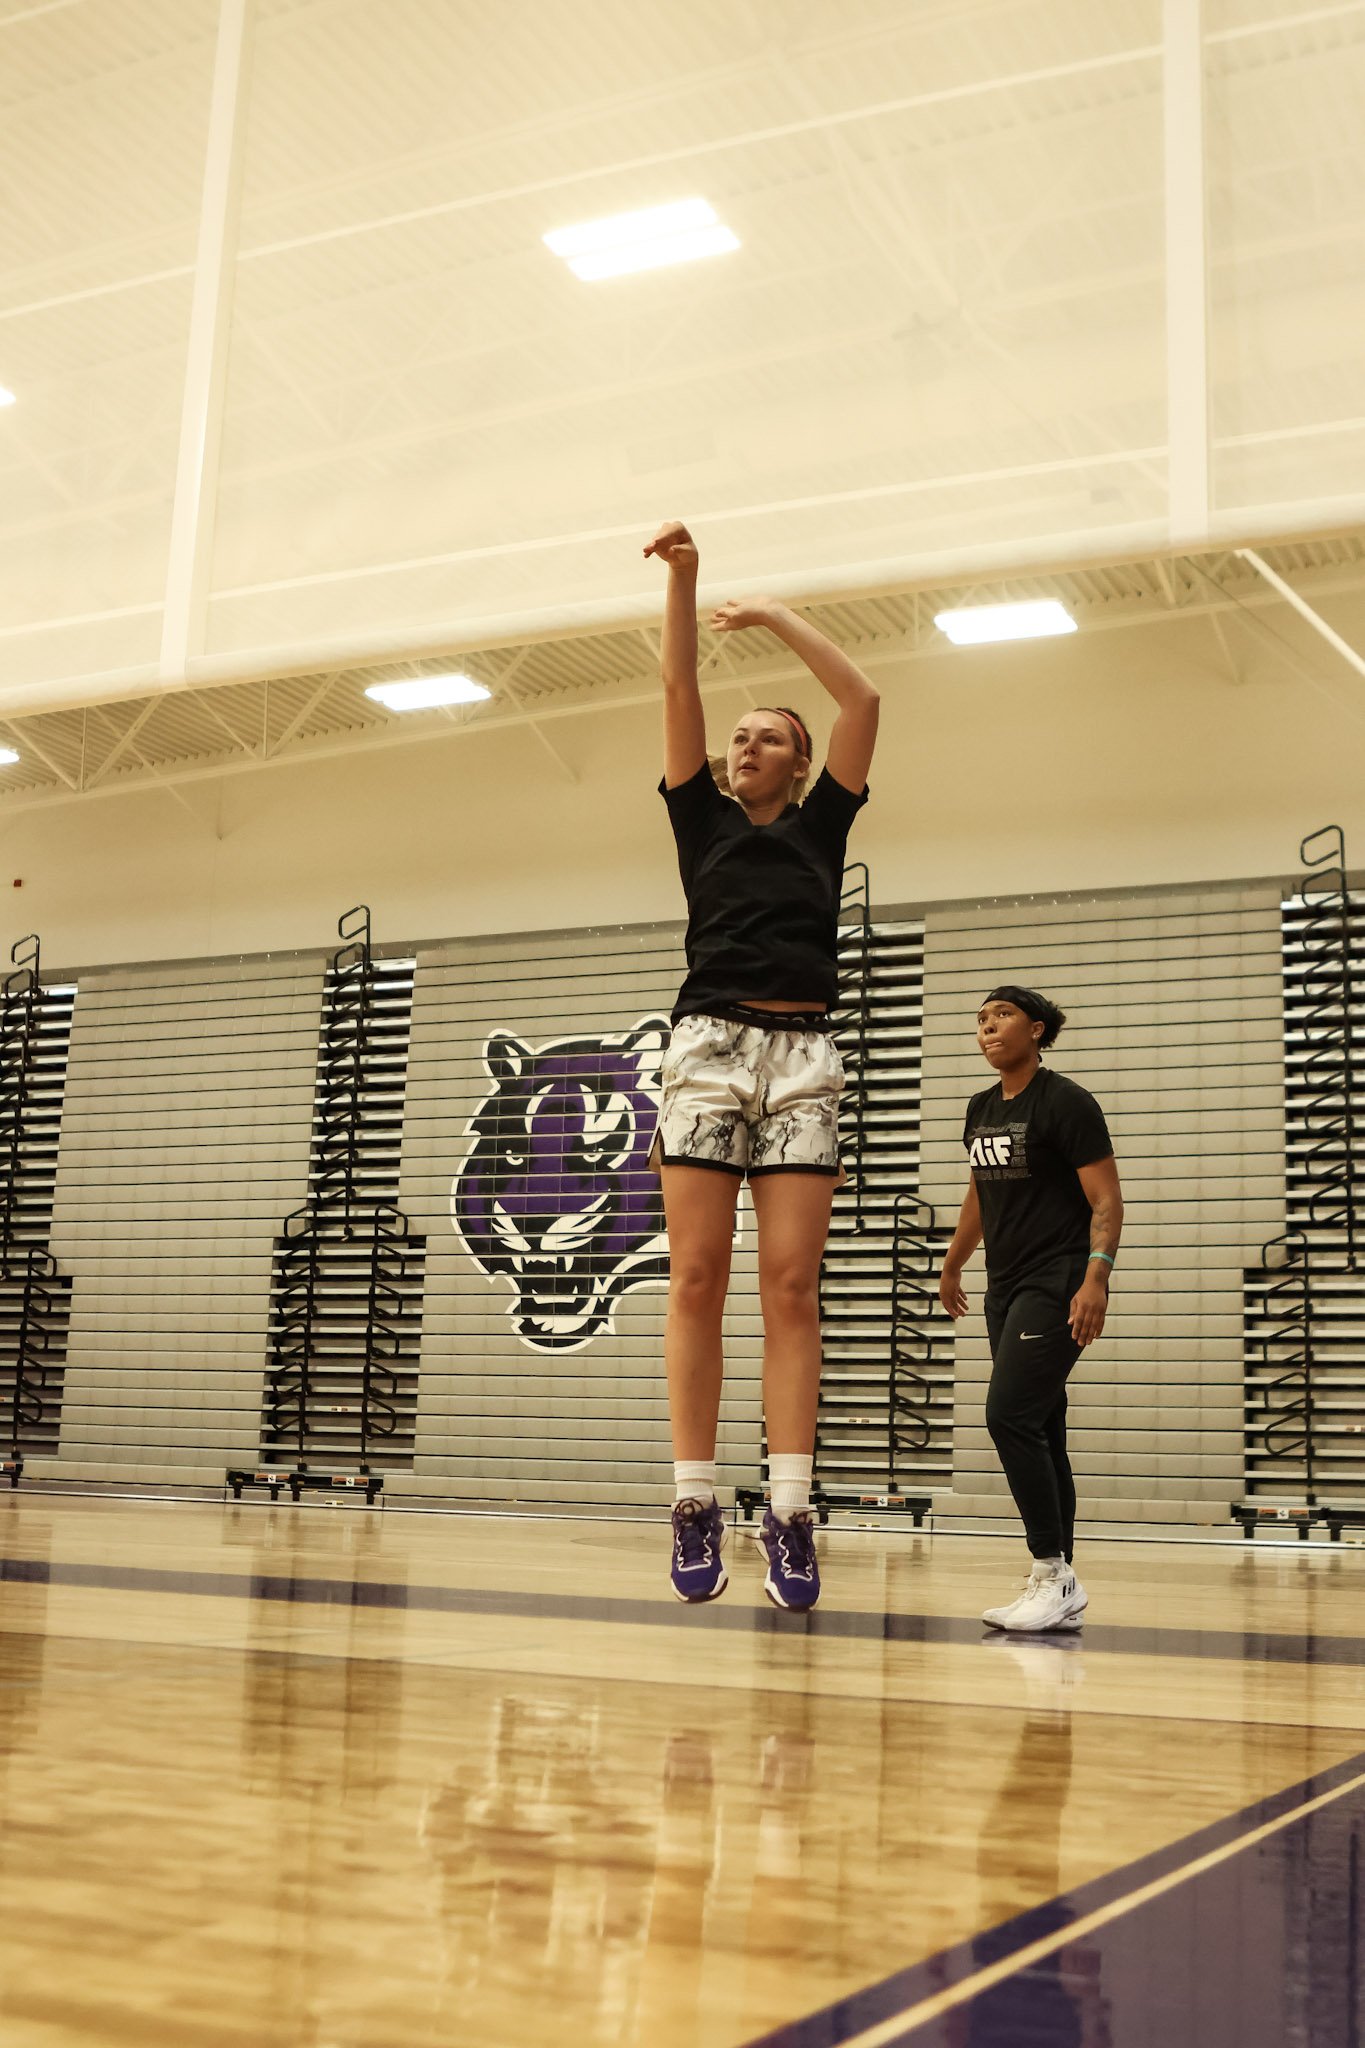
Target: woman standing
x,y
751,1078
1044,1194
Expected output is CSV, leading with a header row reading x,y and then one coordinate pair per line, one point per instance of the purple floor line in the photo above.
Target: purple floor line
x,y
836,1624
1008,2023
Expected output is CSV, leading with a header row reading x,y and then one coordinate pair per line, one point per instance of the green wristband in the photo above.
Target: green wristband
x,y
1106,1256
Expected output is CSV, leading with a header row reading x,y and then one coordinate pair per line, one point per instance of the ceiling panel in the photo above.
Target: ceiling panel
x,y
940,344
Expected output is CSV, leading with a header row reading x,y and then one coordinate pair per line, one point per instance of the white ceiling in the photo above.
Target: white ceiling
x,y
941,347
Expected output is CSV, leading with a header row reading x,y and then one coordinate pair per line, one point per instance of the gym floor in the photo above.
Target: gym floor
x,y
289,1775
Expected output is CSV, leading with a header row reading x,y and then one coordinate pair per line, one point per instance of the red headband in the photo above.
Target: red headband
x,y
802,735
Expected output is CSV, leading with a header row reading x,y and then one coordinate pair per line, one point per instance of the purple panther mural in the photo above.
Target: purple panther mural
x,y
555,1194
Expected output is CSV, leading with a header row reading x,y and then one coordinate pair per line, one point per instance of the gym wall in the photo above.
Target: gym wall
x,y
1175,1023
185,1142
580,1417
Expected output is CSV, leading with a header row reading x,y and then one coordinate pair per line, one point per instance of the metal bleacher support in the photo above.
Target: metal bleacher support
x,y
35,1297
340,1395
1279,1328
1305,1303
917,1340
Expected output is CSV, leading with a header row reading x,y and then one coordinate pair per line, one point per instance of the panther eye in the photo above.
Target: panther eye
x,y
609,1136
571,1233
507,1229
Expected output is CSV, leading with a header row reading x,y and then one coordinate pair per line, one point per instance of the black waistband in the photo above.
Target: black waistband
x,y
768,1020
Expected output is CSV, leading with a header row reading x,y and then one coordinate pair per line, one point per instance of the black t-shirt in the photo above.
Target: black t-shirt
x,y
1024,1154
762,900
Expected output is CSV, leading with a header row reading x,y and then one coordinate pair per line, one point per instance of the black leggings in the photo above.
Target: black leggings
x,y
1032,1353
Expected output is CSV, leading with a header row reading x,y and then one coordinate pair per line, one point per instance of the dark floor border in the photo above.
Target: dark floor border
x,y
827,1623
878,2005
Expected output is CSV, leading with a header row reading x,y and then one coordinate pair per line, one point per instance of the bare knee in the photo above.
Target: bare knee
x,y
696,1289
791,1294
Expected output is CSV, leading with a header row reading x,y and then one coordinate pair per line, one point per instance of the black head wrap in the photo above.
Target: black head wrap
x,y
1033,1005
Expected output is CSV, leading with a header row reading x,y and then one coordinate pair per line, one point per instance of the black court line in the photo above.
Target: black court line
x,y
1262,1948
828,1623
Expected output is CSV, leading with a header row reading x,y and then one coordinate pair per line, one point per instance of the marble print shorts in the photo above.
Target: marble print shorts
x,y
746,1098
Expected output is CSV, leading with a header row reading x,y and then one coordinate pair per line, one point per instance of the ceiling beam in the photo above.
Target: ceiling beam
x,y
643,689
505,682
35,12
190,554
1233,667
124,741
301,716
1304,610
24,740
1187,273
1290,657
203,701
326,665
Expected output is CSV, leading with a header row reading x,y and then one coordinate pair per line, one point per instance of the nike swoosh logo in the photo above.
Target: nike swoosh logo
x,y
1031,1336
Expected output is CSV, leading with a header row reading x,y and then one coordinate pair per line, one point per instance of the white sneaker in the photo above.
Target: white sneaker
x,y
1054,1598
994,1617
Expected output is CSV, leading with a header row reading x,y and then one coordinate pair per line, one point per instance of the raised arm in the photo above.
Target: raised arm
x,y
965,1240
684,719
854,734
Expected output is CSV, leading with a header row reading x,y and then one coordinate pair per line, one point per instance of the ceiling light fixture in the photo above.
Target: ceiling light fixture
x,y
658,235
7,397
425,693
1034,619
8,757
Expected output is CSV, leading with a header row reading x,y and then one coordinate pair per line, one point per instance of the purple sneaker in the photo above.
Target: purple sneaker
x,y
698,1534
793,1579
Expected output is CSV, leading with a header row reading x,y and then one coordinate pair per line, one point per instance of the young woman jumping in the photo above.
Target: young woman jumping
x,y
1044,1194
752,1078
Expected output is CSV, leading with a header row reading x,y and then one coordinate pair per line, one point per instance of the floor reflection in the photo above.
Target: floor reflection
x,y
640,1890
1058,2002
547,1868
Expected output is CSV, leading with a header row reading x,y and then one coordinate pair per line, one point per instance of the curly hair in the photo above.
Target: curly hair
x,y
1040,1008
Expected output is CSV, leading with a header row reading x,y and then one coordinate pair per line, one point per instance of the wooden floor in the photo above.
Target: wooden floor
x,y
298,1775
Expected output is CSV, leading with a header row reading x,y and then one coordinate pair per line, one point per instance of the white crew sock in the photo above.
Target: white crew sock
x,y
1057,1565
789,1478
694,1480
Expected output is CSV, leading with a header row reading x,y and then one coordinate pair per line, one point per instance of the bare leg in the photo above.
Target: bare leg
x,y
699,1204
793,1223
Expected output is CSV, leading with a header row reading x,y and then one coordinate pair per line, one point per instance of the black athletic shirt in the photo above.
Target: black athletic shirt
x,y
762,900
1024,1154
